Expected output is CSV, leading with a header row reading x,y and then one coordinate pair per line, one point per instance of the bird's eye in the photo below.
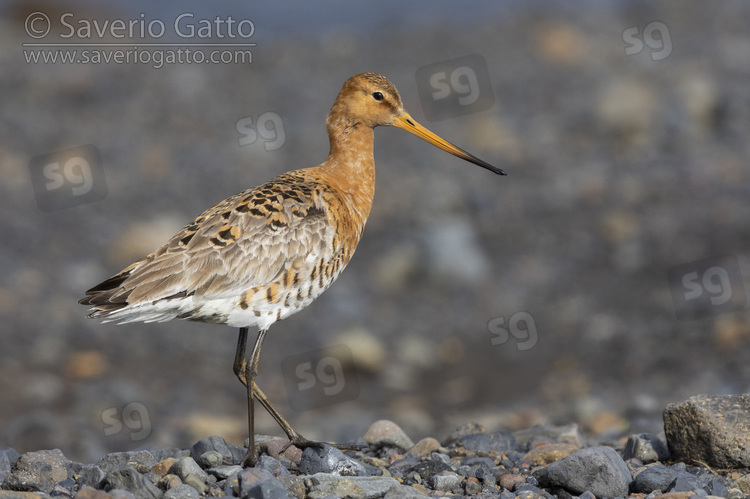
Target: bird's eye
x,y
377,96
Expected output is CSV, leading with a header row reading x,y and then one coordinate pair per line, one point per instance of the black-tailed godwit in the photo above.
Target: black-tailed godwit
x,y
266,253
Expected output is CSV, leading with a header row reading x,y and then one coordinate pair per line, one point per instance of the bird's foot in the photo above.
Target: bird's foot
x,y
251,458
301,442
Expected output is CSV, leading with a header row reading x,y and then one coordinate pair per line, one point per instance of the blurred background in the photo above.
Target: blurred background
x,y
602,279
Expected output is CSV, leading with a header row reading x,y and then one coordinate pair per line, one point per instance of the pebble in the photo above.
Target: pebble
x,y
386,432
224,471
425,447
186,466
272,465
462,431
471,465
329,459
646,447
182,492
509,481
215,444
599,470
128,478
711,429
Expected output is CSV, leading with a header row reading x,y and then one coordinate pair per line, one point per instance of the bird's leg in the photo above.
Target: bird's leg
x,y
247,372
241,371
294,437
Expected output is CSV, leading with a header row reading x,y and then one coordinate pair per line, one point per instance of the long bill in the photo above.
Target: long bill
x,y
407,123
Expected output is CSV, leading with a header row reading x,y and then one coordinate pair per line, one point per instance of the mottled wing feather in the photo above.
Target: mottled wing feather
x,y
246,241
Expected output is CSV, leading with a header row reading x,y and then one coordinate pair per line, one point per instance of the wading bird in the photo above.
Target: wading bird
x,y
266,253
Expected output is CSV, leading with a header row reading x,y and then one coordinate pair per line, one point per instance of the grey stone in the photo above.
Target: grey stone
x,y
128,478
293,484
91,475
209,459
341,487
224,471
658,477
385,432
373,486
428,469
446,481
35,476
260,484
187,466
121,494
685,482
8,458
182,492
404,492
711,429
462,431
329,459
646,447
216,444
195,482
55,458
145,458
272,465
716,488
500,441
600,470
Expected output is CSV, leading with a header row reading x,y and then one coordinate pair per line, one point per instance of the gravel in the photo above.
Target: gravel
x,y
542,461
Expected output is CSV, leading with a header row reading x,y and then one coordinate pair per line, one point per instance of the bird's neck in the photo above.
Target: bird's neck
x,y
351,163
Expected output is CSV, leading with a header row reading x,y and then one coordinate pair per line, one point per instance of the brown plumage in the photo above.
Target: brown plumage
x,y
265,253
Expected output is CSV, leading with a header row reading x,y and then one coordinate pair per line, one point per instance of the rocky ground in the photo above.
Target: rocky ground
x,y
542,461
549,296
